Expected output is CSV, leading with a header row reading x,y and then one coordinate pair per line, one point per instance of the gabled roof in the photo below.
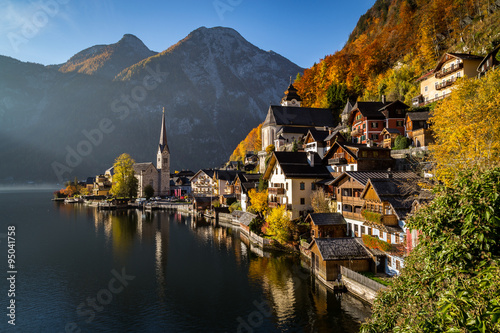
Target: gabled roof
x,y
352,149
292,130
227,175
341,248
291,93
299,116
416,116
492,53
138,167
209,172
296,165
390,131
347,107
368,109
318,135
461,56
326,218
336,132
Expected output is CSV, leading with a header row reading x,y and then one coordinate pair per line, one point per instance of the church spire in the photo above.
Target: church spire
x,y
163,134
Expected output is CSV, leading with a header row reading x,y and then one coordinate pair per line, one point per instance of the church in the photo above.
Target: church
x,y
158,177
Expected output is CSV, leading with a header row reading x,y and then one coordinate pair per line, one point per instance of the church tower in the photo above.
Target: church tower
x,y
163,161
291,97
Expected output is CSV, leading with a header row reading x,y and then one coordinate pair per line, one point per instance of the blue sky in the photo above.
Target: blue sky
x,y
51,31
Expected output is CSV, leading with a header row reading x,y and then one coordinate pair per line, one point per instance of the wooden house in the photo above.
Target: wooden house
x,y
417,128
491,61
328,254
389,136
327,225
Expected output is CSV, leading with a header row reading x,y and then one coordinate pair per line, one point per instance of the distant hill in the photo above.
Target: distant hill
x,y
215,87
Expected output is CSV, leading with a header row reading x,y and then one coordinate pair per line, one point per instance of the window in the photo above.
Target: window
x,y
426,88
374,136
302,186
389,261
302,201
375,154
363,230
364,154
374,125
286,186
364,126
459,75
399,123
398,265
313,186
165,160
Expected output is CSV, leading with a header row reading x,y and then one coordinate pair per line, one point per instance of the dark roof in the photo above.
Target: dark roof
x,y
347,107
291,93
466,56
246,218
319,135
341,248
370,109
391,130
296,165
228,175
299,116
492,53
335,131
415,116
293,130
326,218
362,177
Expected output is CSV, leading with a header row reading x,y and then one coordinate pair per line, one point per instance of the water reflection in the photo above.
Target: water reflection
x,y
294,296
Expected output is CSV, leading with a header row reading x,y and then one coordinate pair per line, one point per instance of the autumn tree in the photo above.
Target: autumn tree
x,y
320,202
279,224
124,181
466,127
258,202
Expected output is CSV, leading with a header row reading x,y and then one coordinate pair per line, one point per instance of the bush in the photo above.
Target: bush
x,y
401,142
376,243
256,225
235,206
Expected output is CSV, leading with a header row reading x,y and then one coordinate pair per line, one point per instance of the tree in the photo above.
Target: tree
x,y
320,202
258,202
466,127
401,142
262,184
337,96
124,181
149,191
451,280
279,224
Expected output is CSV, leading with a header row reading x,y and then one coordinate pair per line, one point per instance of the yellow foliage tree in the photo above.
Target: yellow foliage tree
x,y
279,224
258,201
466,127
124,181
252,142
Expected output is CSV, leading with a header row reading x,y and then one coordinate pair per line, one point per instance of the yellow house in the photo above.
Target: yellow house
x,y
292,177
437,84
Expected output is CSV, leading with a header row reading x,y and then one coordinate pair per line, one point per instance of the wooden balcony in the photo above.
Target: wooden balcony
x,y
354,216
276,190
445,84
357,132
337,160
274,204
449,70
354,201
387,143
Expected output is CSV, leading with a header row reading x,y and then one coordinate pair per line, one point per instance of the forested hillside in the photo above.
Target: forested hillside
x,y
397,41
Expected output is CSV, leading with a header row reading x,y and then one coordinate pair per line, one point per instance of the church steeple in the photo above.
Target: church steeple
x,y
291,97
163,135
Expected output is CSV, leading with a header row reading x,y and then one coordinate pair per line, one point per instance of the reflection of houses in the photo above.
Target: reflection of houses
x,y
437,84
355,157
327,225
328,254
292,177
288,122
417,128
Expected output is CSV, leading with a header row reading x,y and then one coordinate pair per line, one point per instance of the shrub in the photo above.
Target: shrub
x,y
376,243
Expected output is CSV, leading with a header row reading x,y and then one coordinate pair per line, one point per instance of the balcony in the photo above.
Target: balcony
x,y
276,190
352,215
447,71
387,143
337,160
274,204
445,84
356,132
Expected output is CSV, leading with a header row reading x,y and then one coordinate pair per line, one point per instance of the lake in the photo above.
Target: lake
x,y
83,270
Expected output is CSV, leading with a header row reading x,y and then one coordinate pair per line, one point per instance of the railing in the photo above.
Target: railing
x,y
449,70
445,84
423,102
274,204
337,160
387,143
363,280
276,190
356,132
352,215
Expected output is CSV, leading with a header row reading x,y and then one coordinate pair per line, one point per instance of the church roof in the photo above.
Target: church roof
x,y
138,167
291,93
299,116
163,135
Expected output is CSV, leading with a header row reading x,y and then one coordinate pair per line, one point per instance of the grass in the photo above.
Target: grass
x,y
384,281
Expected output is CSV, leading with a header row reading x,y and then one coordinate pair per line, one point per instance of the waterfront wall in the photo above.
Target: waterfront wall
x,y
360,285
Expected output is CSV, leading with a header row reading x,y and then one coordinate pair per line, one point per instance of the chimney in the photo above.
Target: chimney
x,y
383,99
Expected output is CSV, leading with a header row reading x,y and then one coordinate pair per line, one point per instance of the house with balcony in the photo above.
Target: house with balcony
x,y
438,83
417,128
490,62
367,120
203,183
242,184
357,157
292,177
389,136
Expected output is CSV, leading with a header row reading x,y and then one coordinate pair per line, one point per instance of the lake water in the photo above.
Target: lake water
x,y
83,270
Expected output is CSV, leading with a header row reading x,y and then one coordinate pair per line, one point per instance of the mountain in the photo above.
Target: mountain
x,y
214,85
108,60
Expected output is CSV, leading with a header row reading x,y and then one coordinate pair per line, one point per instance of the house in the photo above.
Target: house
x,y
367,119
180,185
328,254
292,177
315,141
389,136
346,113
286,136
102,184
490,62
244,183
437,84
203,183
357,157
214,182
417,128
325,225
290,117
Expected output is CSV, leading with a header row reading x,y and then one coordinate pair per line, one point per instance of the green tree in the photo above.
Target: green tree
x,y
262,184
149,191
401,142
124,181
451,280
336,96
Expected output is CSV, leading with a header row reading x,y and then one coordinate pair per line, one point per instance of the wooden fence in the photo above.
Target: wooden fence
x,y
361,279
